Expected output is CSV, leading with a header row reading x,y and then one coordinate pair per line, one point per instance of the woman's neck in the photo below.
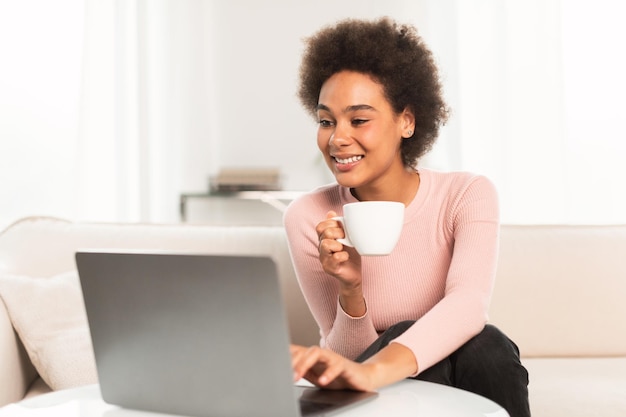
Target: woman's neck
x,y
402,188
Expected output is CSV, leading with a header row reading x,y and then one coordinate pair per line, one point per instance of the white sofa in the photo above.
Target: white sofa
x,y
560,294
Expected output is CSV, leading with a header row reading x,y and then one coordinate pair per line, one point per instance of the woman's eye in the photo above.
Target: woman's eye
x,y
325,123
358,121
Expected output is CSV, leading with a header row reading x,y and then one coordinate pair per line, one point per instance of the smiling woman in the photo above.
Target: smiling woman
x,y
362,164
421,310
400,64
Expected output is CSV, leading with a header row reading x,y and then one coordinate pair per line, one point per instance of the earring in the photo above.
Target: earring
x,y
409,133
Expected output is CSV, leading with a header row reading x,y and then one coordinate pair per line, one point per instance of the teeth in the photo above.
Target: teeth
x,y
349,160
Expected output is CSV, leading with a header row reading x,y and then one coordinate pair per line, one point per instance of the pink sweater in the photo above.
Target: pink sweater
x,y
441,272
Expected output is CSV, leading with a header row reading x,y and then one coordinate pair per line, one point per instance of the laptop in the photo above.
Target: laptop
x,y
195,335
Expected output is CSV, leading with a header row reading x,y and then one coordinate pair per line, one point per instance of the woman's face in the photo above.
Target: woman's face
x,y
359,134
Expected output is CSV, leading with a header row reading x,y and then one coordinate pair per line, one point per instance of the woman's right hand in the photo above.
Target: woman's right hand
x,y
327,369
343,263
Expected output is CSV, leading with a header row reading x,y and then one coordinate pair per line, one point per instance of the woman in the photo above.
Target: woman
x,y
421,311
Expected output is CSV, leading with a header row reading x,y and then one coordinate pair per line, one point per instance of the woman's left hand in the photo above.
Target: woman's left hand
x,y
327,369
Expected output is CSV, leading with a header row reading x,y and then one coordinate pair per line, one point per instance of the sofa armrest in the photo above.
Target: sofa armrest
x,y
16,371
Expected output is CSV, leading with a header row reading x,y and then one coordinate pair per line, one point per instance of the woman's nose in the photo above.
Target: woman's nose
x,y
340,136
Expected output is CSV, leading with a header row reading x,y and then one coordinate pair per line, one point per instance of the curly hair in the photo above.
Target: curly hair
x,y
396,57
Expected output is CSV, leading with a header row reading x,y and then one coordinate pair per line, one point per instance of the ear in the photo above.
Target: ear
x,y
407,123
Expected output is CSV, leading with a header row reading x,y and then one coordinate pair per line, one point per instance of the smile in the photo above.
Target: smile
x,y
350,160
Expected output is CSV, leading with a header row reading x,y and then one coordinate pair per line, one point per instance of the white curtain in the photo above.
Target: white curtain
x,y
537,91
108,108
104,108
40,67
144,95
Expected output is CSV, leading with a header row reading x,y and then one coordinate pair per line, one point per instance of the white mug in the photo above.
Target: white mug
x,y
372,227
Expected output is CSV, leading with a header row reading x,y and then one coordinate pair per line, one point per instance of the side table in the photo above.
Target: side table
x,y
405,398
275,201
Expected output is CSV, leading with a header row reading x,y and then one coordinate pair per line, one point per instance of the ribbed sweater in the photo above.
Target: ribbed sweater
x,y
441,272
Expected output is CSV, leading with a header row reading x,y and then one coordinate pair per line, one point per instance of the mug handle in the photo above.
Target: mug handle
x,y
346,240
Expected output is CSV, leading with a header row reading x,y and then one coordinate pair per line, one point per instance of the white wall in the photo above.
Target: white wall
x,y
256,55
109,110
530,109
113,119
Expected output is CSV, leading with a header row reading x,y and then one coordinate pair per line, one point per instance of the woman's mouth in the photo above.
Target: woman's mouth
x,y
349,160
346,164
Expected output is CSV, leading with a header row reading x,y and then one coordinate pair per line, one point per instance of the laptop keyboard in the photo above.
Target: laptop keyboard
x,y
307,407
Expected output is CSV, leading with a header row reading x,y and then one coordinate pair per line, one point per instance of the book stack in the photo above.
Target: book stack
x,y
246,179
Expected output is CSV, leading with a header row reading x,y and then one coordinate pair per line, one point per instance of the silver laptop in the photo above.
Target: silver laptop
x,y
196,335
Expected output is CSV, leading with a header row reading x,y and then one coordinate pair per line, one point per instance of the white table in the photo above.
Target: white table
x,y
405,398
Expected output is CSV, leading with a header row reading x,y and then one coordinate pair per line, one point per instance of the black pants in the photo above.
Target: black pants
x,y
488,365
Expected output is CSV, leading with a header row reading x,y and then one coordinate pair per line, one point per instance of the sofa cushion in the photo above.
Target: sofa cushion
x,y
577,387
560,290
53,243
49,316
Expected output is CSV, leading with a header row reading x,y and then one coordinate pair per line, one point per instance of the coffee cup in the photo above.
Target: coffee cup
x,y
372,227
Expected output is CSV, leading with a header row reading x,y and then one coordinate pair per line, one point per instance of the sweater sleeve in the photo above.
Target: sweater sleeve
x,y
471,222
344,334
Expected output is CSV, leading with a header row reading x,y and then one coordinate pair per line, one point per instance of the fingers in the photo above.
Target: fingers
x,y
328,245
337,260
328,231
329,228
327,369
303,359
317,365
